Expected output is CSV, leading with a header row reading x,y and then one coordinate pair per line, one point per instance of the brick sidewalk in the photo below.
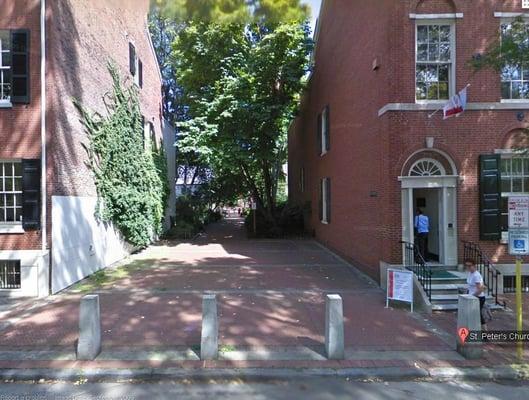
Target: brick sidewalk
x,y
270,293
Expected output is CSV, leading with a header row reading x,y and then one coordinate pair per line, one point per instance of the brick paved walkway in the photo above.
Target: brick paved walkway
x,y
270,293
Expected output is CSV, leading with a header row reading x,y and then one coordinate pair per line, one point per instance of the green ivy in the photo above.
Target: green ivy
x,y
131,181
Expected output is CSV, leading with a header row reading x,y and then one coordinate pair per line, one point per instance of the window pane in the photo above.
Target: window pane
x,y
443,90
525,90
444,33
2,200
8,169
506,166
516,90
433,91
421,91
9,185
422,34
433,34
421,73
2,214
517,166
526,185
10,200
18,200
6,59
506,90
506,185
517,185
444,51
443,73
18,169
18,184
432,74
422,52
18,214
433,52
10,214
4,39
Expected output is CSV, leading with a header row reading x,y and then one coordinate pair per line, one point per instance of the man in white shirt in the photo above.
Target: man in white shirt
x,y
476,287
422,227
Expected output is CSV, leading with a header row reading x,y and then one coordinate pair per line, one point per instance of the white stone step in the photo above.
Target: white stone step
x,y
447,297
448,286
453,307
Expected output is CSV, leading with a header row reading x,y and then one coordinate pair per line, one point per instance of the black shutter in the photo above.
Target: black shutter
x,y
132,59
490,197
320,202
31,194
140,73
327,128
318,135
20,66
328,199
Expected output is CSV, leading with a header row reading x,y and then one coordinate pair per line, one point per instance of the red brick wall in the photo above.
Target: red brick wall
x,y
368,152
82,40
20,125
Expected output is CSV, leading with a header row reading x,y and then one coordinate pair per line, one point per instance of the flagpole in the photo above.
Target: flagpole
x,y
439,109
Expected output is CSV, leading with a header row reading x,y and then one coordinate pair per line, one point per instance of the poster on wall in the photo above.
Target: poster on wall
x,y
400,286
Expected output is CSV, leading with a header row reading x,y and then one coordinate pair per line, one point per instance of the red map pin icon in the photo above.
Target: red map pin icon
x,y
463,334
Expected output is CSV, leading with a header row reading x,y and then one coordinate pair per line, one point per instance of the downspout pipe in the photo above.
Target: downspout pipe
x,y
43,107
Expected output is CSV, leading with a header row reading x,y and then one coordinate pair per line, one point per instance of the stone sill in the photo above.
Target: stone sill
x,y
7,229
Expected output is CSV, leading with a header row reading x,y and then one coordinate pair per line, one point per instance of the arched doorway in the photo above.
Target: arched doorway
x,y
429,182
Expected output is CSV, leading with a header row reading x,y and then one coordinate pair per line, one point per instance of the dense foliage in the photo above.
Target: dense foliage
x,y
230,11
241,85
131,180
511,48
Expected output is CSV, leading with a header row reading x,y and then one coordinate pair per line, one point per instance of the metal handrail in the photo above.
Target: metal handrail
x,y
485,267
414,261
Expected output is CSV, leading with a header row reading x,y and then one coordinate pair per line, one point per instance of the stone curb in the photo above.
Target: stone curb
x,y
160,374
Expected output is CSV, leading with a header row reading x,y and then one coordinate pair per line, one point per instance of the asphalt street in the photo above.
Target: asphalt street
x,y
321,389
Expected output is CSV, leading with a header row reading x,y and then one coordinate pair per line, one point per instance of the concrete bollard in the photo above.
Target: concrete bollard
x,y
334,329
209,344
89,344
468,316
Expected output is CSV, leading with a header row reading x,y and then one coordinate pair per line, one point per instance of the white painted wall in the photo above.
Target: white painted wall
x,y
34,273
81,245
170,151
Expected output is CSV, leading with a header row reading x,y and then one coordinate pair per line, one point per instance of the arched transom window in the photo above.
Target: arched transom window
x,y
427,167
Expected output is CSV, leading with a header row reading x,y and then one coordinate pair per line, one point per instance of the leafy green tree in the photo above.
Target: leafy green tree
x,y
241,85
229,11
510,48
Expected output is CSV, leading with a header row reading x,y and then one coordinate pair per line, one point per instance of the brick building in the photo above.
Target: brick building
x,y
52,52
364,152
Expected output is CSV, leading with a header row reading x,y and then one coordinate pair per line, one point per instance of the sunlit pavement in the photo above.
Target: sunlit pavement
x,y
271,298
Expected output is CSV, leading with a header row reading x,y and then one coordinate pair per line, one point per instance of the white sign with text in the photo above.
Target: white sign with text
x,y
519,212
400,286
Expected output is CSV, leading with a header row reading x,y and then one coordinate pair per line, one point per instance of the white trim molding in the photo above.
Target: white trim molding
x,y
497,106
437,16
511,15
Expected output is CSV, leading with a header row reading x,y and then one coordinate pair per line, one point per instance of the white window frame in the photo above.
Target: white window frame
x,y
508,20
6,225
4,102
525,4
510,155
452,73
323,140
324,200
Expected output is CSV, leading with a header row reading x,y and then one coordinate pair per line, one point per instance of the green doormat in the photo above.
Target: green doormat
x,y
444,274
